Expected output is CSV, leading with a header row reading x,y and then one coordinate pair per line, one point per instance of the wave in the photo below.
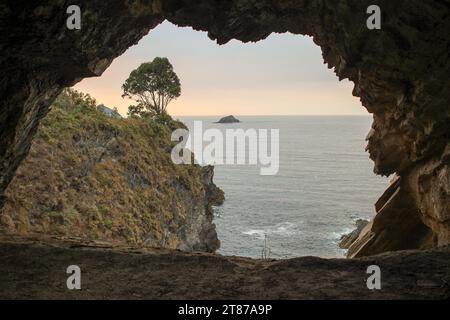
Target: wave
x,y
280,229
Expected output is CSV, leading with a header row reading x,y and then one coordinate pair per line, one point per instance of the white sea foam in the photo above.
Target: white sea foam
x,y
280,229
257,233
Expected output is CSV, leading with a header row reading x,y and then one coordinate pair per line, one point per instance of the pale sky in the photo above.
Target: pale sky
x,y
282,75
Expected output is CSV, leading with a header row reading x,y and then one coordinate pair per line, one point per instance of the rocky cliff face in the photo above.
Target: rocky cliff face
x,y
93,177
400,73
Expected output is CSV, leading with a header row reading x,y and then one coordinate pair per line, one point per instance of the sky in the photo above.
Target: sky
x,y
281,75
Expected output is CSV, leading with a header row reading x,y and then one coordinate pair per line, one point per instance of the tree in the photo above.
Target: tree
x,y
153,85
137,110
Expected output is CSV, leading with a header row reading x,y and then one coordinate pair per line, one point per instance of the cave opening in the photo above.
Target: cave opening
x,y
325,182
409,135
100,163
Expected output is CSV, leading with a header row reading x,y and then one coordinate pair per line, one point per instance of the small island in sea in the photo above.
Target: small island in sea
x,y
228,119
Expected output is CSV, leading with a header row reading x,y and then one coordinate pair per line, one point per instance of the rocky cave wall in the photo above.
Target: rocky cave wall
x,y
401,74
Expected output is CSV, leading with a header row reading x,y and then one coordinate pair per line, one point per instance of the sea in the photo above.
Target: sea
x,y
325,182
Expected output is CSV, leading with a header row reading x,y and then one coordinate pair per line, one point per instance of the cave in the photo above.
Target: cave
x,y
400,73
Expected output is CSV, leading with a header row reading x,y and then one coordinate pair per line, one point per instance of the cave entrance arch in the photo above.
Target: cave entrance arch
x,y
387,67
242,79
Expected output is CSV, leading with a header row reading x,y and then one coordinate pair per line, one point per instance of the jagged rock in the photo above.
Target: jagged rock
x,y
396,226
400,74
216,196
228,119
108,111
348,239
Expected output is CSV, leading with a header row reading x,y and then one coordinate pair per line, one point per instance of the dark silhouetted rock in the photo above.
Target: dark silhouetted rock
x,y
31,269
229,119
348,239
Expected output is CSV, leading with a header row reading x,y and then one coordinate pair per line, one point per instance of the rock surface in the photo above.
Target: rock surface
x,y
400,74
35,269
228,119
109,112
396,226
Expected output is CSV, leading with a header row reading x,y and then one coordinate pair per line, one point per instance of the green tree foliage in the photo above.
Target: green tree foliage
x,y
153,86
137,110
70,99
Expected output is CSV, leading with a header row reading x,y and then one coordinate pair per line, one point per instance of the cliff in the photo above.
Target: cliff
x,y
95,177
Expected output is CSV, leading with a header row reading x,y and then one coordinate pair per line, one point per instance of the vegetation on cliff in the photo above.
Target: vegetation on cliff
x,y
97,177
